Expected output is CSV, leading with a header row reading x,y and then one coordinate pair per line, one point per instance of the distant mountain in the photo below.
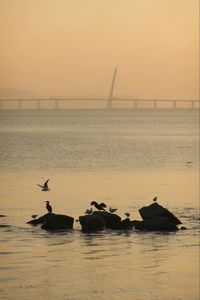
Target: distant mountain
x,y
7,93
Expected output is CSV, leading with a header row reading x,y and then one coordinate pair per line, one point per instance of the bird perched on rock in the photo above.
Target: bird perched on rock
x,y
155,199
127,214
34,216
48,206
112,210
100,206
44,187
89,211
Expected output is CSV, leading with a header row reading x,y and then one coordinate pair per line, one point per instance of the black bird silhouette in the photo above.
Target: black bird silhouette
x,y
89,211
48,206
155,199
112,210
100,206
34,216
127,214
44,187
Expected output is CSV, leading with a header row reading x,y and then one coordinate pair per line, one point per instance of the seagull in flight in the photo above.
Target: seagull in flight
x,y
44,187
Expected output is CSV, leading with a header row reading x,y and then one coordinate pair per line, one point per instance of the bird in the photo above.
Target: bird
x,y
155,199
112,210
34,216
127,214
48,206
89,211
44,187
100,206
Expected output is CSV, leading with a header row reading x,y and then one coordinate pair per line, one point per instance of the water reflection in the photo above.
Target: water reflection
x,y
105,244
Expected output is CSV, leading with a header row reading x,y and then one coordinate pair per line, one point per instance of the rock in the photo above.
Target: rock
x,y
124,225
2,216
51,221
183,228
156,210
159,223
91,223
40,220
110,220
58,222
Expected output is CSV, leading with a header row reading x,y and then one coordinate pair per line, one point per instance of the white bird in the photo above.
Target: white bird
x,y
127,214
112,210
44,187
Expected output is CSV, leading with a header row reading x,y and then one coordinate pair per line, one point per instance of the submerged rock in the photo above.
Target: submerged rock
x,y
51,221
156,210
91,223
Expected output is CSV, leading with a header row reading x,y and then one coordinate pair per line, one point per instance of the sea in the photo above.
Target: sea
x,y
124,158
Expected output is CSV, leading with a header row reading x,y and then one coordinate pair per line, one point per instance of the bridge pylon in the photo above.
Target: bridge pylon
x,y
110,96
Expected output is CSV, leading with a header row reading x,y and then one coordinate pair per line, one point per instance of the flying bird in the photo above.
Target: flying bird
x,y
44,187
100,206
112,210
127,214
48,206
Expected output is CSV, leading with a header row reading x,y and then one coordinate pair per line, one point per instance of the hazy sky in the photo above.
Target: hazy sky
x,y
70,47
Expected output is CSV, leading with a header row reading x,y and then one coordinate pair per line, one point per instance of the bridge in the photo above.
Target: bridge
x,y
109,101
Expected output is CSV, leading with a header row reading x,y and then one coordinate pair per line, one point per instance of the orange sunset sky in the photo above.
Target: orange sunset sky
x,y
70,47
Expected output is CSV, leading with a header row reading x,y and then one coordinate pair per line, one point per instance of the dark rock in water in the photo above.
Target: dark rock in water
x,y
58,222
4,226
110,220
51,221
91,223
183,228
2,216
156,210
124,225
40,220
159,223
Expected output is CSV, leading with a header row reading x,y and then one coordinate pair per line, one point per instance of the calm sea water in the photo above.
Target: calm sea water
x,y
121,157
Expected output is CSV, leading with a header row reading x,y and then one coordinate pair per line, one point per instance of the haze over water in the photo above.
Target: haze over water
x,y
121,157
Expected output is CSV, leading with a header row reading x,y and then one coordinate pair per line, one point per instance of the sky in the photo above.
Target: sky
x,y
71,47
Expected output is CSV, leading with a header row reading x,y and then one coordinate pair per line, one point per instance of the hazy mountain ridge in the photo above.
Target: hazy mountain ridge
x,y
9,93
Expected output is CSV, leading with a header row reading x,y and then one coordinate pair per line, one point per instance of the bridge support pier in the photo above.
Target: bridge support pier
x,y
56,104
192,104
174,104
19,104
135,104
38,104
